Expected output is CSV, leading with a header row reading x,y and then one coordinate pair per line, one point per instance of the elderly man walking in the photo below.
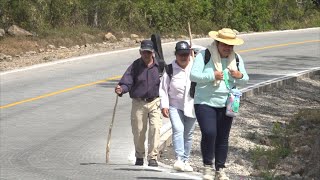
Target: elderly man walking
x,y
142,81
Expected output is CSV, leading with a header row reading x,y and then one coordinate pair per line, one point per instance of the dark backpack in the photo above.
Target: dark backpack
x,y
207,56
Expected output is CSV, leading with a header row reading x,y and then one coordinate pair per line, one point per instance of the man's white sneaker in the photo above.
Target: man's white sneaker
x,y
207,172
221,175
178,165
187,167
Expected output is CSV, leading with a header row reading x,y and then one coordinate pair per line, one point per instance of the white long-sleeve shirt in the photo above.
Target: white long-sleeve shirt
x,y
175,92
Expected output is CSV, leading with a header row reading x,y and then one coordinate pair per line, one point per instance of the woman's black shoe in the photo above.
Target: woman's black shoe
x,y
153,162
139,162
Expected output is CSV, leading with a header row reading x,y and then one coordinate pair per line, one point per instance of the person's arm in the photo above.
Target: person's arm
x,y
164,94
241,78
126,82
198,73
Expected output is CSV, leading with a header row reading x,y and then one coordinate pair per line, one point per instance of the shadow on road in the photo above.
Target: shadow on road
x,y
109,84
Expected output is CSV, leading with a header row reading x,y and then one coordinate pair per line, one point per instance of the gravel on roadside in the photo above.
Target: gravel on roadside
x,y
255,123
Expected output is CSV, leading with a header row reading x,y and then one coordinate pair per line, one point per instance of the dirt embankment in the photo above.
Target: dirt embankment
x,y
22,51
17,52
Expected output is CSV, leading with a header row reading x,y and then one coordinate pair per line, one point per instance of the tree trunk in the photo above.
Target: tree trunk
x,y
95,17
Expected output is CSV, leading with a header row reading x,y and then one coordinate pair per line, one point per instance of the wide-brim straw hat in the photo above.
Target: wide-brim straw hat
x,y
227,36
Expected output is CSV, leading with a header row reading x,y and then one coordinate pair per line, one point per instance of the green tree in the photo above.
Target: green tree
x,y
165,16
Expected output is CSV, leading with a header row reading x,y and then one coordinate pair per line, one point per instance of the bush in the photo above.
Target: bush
x,y
166,17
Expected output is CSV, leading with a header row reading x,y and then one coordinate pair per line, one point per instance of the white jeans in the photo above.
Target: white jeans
x,y
182,132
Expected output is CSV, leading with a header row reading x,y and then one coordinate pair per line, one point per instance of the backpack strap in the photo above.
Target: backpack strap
x,y
169,70
192,89
207,56
135,69
162,64
237,61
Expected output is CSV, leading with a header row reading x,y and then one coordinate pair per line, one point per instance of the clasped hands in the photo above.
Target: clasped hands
x,y
234,73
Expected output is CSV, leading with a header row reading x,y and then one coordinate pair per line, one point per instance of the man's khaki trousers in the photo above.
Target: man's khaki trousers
x,y
145,113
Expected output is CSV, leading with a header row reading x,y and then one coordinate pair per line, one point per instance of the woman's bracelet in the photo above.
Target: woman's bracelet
x,y
241,76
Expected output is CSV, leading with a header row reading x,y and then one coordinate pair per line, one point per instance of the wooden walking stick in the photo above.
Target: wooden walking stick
x,y
190,35
110,130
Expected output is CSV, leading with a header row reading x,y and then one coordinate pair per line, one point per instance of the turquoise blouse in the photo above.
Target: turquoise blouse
x,y
206,92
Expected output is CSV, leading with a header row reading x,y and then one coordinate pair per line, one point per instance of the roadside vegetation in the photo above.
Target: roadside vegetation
x,y
54,19
299,138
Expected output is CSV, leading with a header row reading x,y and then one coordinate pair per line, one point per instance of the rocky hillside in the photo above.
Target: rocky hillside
x,y
19,50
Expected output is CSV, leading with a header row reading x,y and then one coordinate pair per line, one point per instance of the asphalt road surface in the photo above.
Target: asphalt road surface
x,y
55,118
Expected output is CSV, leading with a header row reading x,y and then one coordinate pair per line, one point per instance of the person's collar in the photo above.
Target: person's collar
x,y
155,61
176,65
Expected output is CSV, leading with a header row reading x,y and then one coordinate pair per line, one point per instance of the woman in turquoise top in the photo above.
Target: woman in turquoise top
x,y
210,98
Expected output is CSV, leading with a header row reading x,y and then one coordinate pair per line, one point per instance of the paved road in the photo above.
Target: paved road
x,y
61,132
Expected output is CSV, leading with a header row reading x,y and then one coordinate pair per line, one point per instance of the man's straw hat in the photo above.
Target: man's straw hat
x,y
227,36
